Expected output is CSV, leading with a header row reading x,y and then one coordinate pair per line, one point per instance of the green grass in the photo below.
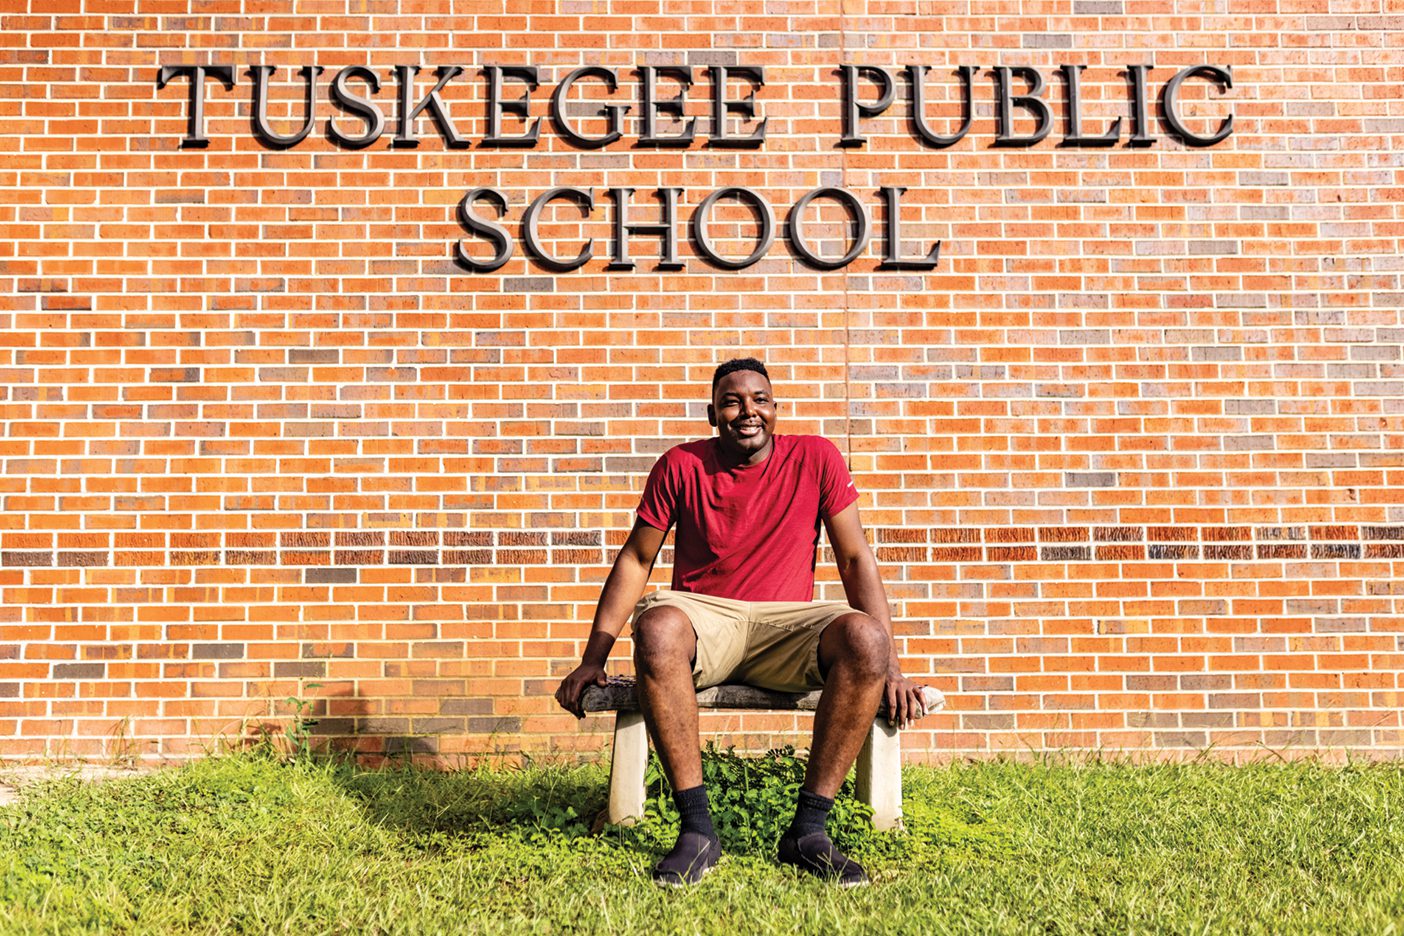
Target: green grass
x,y
246,844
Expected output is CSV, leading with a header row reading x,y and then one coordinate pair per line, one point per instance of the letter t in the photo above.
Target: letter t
x,y
195,133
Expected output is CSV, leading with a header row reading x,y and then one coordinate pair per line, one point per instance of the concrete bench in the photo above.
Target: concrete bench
x,y
879,765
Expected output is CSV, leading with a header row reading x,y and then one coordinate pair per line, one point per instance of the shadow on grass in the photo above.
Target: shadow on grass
x,y
752,801
561,801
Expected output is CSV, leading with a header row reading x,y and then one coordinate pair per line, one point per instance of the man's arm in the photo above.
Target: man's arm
x,y
621,592
863,588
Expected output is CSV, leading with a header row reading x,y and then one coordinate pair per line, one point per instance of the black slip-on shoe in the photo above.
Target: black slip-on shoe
x,y
815,853
691,859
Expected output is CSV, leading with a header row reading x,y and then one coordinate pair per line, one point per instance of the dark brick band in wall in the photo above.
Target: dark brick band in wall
x,y
332,557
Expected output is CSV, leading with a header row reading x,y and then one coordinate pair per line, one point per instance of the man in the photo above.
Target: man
x,y
748,505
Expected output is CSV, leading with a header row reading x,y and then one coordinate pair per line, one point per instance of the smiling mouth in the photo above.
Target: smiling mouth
x,y
748,430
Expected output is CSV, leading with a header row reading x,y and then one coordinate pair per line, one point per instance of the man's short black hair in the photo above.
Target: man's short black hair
x,y
738,364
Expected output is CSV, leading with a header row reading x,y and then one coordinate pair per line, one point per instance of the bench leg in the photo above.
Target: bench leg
x,y
880,775
626,769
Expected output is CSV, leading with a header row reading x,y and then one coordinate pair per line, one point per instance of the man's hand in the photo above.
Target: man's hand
x,y
572,688
904,699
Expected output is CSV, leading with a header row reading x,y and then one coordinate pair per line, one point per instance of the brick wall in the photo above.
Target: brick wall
x,y
1130,454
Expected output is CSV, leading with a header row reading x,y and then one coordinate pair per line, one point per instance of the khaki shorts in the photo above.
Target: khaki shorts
x,y
770,644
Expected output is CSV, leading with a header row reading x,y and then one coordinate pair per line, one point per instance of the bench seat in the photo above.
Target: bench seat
x,y
879,779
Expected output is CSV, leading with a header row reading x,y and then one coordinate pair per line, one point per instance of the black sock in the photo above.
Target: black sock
x,y
694,810
810,815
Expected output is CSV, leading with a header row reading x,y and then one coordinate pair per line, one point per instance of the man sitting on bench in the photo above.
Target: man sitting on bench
x,y
748,505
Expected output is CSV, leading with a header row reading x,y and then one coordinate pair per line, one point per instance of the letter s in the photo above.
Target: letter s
x,y
489,230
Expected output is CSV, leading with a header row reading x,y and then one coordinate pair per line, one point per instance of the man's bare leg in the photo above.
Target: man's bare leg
x,y
664,644
853,654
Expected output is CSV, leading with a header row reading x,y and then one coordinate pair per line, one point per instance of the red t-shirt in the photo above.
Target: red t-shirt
x,y
747,532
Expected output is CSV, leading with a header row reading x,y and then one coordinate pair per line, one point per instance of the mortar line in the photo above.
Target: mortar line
x,y
847,338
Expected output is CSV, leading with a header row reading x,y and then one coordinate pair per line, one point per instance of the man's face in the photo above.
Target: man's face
x,y
743,411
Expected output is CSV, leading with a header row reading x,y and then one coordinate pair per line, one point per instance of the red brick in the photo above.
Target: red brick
x,y
1131,438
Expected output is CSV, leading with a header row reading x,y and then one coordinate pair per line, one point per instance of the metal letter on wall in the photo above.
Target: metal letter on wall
x,y
261,129
435,104
623,227
1170,102
746,106
363,107
521,106
764,216
1031,100
490,230
615,112
916,79
854,109
1140,122
195,129
856,211
1074,137
532,242
892,258
651,107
